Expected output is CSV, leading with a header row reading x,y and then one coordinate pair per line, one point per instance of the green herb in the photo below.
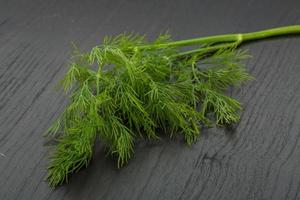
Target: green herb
x,y
128,88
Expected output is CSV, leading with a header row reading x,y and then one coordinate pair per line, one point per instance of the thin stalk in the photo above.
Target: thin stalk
x,y
286,30
207,49
242,37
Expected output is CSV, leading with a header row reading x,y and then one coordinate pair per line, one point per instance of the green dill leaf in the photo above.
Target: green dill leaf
x,y
128,88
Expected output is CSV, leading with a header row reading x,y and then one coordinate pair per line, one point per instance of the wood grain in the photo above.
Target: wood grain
x,y
259,159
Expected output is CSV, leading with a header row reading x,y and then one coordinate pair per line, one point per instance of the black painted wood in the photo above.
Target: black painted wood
x,y
259,160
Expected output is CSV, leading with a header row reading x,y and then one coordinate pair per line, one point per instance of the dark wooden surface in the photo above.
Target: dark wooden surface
x,y
259,160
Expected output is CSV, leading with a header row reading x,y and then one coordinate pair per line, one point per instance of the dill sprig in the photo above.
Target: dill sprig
x,y
129,88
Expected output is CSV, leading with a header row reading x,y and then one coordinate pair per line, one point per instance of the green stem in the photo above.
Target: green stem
x,y
280,31
237,37
207,49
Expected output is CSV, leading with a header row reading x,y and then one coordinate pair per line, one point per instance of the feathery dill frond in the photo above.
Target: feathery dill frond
x,y
134,92
73,151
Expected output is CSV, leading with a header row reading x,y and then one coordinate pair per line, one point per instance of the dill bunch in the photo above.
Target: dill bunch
x,y
128,88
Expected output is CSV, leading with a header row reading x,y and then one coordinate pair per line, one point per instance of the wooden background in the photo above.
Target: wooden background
x,y
260,159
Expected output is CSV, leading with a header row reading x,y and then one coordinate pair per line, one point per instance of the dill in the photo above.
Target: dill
x,y
140,87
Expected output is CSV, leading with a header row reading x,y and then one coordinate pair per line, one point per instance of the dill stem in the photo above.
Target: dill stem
x,y
280,31
97,84
207,49
240,37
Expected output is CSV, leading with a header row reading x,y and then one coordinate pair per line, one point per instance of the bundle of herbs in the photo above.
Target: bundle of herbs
x,y
140,87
